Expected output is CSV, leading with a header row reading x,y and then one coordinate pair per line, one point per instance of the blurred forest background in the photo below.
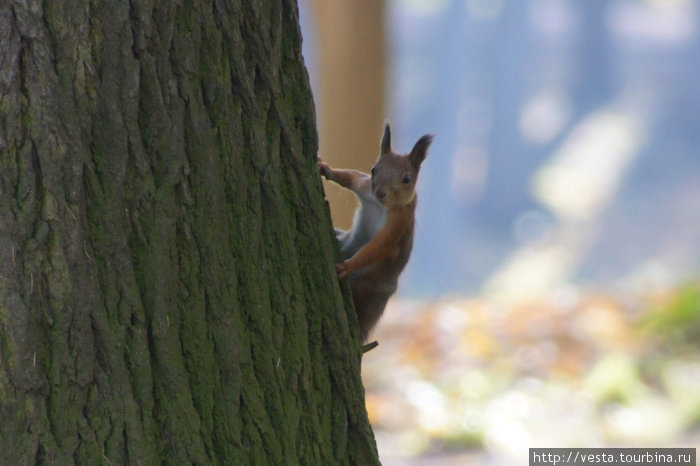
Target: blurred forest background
x,y
552,297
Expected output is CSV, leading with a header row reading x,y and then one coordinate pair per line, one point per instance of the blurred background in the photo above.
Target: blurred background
x,y
552,298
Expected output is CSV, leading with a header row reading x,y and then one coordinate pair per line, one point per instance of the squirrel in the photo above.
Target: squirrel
x,y
378,246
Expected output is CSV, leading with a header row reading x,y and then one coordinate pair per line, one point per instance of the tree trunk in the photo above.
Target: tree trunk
x,y
167,290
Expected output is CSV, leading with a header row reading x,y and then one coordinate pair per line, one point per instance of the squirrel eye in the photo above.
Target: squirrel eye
x,y
372,171
406,179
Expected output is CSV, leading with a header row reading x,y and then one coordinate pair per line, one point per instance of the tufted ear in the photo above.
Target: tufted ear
x,y
386,140
420,150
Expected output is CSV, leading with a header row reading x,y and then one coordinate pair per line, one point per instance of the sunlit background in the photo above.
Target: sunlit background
x,y
552,297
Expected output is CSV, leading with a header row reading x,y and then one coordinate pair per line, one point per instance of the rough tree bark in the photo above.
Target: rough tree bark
x,y
167,291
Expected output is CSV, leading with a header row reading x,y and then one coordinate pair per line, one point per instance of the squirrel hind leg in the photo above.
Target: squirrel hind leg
x,y
369,314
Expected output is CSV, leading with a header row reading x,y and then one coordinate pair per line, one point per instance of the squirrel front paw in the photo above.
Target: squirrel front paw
x,y
342,269
324,169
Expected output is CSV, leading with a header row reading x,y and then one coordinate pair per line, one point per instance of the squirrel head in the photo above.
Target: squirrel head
x,y
394,175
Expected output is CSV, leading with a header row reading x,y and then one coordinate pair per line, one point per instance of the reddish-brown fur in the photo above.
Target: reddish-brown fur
x,y
378,247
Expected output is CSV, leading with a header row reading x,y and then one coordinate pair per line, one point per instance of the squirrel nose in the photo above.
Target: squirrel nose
x,y
380,194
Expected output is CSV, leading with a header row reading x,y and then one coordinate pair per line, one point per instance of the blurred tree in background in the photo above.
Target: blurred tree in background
x,y
351,43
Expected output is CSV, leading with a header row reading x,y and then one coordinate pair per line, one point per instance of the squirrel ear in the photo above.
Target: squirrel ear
x,y
386,140
420,150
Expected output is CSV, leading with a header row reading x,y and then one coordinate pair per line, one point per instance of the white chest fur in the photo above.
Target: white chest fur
x,y
369,219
